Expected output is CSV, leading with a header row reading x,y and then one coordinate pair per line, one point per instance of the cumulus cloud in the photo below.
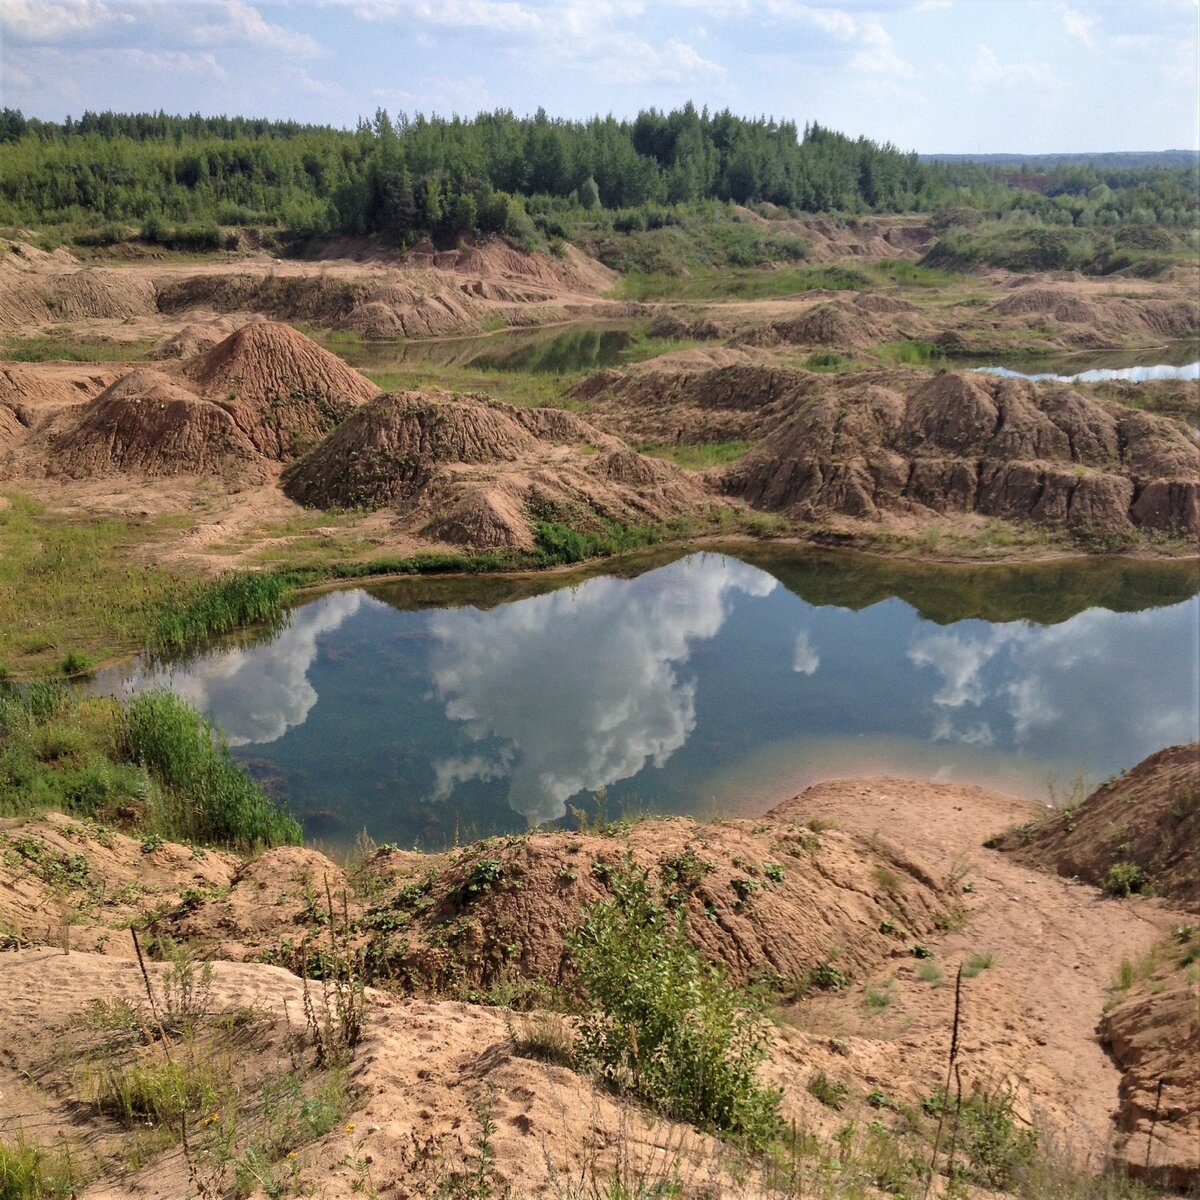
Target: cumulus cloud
x,y
959,660
151,26
625,641
257,693
979,733
805,659
45,24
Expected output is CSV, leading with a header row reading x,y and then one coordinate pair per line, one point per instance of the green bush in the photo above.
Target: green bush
x,y
666,1025
1124,878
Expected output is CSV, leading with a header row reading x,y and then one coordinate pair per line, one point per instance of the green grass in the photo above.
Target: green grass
x,y
533,388
71,584
907,352
908,274
30,1172
752,283
157,759
56,348
696,456
525,390
233,602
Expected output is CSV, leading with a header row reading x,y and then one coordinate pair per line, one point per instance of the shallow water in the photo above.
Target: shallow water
x,y
1105,374
425,710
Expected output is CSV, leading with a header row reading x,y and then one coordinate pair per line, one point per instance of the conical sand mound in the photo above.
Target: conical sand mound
x,y
392,446
283,391
147,425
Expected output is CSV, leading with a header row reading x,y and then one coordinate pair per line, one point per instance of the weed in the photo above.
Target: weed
x,y
977,963
31,1172
77,662
665,1024
929,972
830,1093
546,1036
877,999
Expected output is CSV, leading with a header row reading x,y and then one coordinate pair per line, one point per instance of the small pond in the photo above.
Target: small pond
x,y
555,351
426,710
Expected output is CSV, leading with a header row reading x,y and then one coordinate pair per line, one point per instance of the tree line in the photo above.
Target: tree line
x,y
409,177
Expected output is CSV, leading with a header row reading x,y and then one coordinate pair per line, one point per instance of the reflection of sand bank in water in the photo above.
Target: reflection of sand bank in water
x,y
780,770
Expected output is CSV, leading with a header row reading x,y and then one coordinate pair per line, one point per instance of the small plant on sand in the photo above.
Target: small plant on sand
x,y
830,1093
30,1172
665,1024
1124,878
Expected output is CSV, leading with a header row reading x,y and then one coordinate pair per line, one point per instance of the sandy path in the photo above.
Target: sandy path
x,y
1031,1018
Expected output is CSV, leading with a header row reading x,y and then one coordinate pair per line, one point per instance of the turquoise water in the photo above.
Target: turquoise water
x,y
425,710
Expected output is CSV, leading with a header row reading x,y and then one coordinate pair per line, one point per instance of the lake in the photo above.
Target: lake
x,y
426,711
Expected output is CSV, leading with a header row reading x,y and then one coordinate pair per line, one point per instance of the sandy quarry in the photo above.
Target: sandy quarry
x,y
855,853
234,421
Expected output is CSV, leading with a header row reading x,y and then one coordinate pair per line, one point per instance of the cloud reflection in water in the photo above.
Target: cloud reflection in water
x,y
609,698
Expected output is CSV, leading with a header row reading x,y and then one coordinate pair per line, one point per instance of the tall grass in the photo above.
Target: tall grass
x,y
233,602
214,800
558,543
158,758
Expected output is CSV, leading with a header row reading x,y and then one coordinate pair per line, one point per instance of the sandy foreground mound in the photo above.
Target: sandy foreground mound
x,y
1142,831
478,472
1148,818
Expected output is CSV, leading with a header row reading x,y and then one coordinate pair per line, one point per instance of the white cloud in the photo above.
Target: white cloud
x,y
960,662
988,71
1079,27
805,659
626,640
234,23
45,24
933,5
495,15
257,693
978,734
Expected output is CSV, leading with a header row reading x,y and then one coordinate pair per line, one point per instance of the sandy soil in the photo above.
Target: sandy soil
x,y
430,1070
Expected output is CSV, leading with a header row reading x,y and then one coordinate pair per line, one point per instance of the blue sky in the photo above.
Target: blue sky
x,y
933,75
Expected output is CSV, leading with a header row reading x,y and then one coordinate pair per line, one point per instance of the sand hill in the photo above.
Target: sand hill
x,y
476,472
146,424
283,391
974,443
1148,818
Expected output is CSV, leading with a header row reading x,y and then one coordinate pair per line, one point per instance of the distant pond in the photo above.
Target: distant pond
x,y
425,710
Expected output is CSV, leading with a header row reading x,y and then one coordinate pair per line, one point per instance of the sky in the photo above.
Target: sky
x,y
937,76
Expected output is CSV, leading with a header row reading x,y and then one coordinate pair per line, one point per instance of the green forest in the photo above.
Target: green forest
x,y
181,181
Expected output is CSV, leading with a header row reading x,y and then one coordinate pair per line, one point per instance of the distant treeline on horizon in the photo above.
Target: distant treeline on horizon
x,y
404,178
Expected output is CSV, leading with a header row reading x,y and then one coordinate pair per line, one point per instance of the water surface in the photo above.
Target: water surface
x,y
424,710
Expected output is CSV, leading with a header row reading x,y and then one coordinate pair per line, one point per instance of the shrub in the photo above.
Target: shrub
x,y
665,1024
1124,878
